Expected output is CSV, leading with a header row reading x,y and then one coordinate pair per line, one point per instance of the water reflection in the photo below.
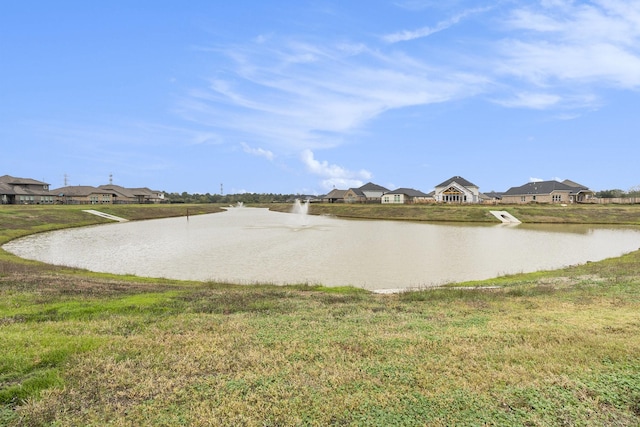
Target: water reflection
x,y
251,245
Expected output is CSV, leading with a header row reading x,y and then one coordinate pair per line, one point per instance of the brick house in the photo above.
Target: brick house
x,y
547,192
368,193
24,191
124,195
83,195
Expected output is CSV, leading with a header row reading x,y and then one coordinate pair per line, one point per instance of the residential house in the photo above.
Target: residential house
x,y
83,195
582,193
24,191
145,195
405,196
368,193
124,195
547,192
121,195
334,196
492,197
457,190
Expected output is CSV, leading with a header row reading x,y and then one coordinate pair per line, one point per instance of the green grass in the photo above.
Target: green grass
x,y
548,348
572,214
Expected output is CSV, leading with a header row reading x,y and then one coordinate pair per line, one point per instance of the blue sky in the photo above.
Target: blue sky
x,y
304,96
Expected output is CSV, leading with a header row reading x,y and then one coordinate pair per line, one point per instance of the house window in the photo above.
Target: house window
x,y
523,198
533,198
396,198
557,197
452,194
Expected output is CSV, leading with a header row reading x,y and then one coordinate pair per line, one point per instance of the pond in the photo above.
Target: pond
x,y
253,245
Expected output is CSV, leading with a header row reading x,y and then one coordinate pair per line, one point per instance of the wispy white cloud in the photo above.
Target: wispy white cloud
x,y
259,152
575,43
291,95
532,100
546,63
407,35
333,175
295,96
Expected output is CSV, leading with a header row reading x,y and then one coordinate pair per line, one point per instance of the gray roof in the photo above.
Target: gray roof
x,y
541,187
492,195
11,185
574,184
119,191
79,191
408,192
335,194
12,180
460,180
144,191
370,186
6,189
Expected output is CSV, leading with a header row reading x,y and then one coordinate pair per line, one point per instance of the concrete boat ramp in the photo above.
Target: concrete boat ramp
x,y
505,217
105,215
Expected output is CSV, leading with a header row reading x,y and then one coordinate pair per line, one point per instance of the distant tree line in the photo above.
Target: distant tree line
x,y
616,193
185,197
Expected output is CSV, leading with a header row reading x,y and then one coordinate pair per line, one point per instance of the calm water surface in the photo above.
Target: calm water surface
x,y
250,245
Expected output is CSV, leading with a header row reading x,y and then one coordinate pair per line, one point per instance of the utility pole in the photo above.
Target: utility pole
x,y
221,192
110,179
66,180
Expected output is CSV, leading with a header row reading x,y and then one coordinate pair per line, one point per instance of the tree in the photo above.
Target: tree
x,y
634,191
610,194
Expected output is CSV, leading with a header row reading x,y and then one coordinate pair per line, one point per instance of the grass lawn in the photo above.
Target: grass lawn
x,y
548,348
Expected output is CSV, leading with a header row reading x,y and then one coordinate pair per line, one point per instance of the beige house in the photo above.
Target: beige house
x,y
457,190
334,196
124,195
24,191
83,195
548,192
146,195
405,196
368,193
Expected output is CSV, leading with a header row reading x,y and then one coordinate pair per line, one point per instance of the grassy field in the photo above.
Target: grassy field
x,y
549,348
574,214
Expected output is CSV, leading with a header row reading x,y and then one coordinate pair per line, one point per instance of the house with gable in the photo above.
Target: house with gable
x,y
581,194
334,196
368,193
548,192
121,195
24,191
457,190
124,195
83,195
146,195
405,196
